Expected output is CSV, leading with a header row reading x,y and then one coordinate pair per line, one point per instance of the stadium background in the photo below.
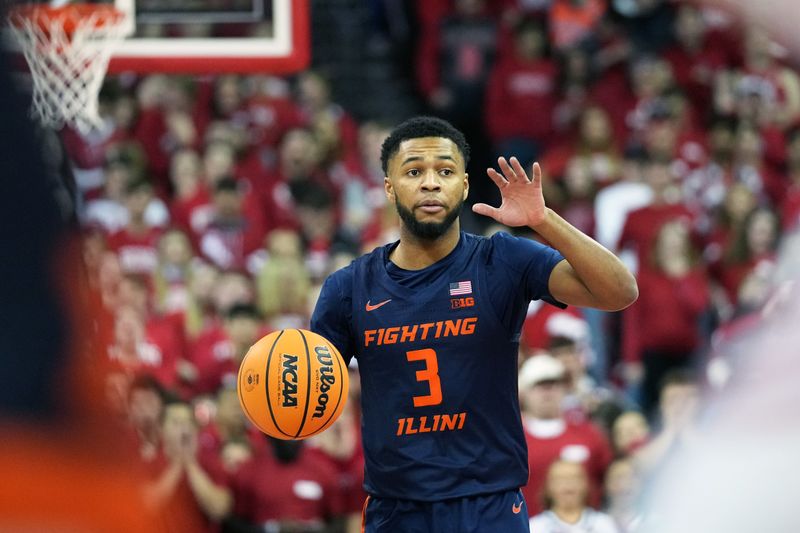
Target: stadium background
x,y
212,207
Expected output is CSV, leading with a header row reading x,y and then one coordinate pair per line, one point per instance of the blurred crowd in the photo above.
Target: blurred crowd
x,y
214,207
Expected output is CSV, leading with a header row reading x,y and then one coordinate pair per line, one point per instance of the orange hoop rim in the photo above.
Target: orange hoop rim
x,y
70,16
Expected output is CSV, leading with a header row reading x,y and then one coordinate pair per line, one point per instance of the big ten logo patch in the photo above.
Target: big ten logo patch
x,y
459,303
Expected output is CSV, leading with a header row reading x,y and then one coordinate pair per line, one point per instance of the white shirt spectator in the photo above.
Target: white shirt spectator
x,y
113,216
611,208
591,521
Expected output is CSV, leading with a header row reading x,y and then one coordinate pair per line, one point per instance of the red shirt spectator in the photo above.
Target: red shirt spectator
x,y
217,353
579,442
642,226
543,322
665,318
181,475
297,488
551,436
340,447
146,349
521,93
696,56
790,209
137,252
755,241
136,244
213,356
231,236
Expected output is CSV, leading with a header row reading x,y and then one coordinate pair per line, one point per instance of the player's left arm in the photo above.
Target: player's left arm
x,y
590,275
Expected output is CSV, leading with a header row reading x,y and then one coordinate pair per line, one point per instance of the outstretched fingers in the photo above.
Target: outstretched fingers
x,y
497,178
487,210
508,171
537,175
518,170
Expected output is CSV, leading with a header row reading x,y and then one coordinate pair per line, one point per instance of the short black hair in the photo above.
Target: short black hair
x,y
243,310
138,185
147,382
560,341
680,376
417,127
310,194
174,400
227,184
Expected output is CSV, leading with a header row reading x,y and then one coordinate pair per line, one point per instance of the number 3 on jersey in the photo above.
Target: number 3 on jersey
x,y
430,374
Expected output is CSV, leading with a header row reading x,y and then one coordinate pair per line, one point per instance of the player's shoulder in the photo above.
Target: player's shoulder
x,y
514,252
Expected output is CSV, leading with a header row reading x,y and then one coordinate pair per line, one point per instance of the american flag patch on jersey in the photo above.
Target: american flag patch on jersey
x,y
462,287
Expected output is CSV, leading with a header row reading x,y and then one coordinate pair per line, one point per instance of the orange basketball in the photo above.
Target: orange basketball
x,y
293,384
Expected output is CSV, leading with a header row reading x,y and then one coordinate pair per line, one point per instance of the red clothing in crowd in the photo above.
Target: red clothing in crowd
x,y
665,318
192,214
642,226
790,209
210,440
213,356
731,274
270,118
138,254
694,70
150,133
521,98
575,441
167,344
304,490
538,326
183,495
156,354
350,477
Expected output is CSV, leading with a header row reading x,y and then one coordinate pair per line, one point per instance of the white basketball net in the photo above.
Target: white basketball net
x,y
67,69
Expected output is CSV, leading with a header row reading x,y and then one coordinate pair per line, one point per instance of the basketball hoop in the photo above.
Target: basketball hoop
x,y
67,49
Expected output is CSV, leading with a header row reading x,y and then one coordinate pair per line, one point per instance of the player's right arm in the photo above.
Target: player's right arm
x,y
333,314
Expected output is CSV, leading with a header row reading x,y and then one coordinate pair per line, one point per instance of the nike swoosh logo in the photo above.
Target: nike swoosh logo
x,y
374,307
517,507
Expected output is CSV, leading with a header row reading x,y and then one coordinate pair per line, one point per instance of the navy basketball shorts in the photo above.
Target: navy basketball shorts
x,y
504,512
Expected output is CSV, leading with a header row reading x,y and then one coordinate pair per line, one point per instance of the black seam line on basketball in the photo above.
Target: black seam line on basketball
x,y
308,385
266,385
338,401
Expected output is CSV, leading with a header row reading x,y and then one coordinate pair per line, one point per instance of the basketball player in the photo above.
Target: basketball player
x,y
434,321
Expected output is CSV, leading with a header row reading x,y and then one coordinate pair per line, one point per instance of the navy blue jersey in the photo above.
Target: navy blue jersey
x,y
437,350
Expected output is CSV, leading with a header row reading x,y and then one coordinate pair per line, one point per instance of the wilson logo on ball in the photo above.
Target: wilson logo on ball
x,y
326,378
289,380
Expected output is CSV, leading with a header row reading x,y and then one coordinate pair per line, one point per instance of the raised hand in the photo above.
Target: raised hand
x,y
522,199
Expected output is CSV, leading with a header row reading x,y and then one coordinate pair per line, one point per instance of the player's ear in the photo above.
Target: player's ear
x,y
466,186
388,189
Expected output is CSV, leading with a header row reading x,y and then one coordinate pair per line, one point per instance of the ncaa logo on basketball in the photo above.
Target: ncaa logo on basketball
x,y
326,379
289,380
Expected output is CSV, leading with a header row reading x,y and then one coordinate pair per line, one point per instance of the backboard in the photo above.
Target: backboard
x,y
202,36
209,36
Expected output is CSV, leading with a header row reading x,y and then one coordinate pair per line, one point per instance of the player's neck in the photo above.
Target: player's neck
x,y
414,253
